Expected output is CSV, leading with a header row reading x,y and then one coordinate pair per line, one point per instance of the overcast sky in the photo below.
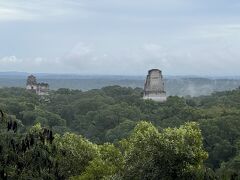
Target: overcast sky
x,y
121,37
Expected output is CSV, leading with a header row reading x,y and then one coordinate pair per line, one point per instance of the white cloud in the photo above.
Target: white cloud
x,y
8,14
200,59
79,51
10,60
39,10
120,36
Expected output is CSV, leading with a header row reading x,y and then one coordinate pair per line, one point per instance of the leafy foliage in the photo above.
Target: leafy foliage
x,y
171,143
171,154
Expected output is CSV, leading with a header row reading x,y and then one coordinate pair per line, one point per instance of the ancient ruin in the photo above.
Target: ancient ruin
x,y
38,88
154,86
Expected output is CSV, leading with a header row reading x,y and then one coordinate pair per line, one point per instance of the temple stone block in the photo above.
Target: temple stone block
x,y
154,86
38,88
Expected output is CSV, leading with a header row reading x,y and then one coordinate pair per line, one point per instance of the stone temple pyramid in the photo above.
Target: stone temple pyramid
x,y
154,86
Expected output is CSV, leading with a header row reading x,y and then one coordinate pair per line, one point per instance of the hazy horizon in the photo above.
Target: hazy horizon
x,y
25,73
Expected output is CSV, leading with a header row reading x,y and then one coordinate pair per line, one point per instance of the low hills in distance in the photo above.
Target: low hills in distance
x,y
175,85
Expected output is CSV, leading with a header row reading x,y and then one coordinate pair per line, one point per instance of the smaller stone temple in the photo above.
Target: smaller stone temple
x,y
38,88
154,86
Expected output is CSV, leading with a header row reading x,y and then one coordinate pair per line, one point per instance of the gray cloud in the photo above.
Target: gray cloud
x,y
87,59
120,37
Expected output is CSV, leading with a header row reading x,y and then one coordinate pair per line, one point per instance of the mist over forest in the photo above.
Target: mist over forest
x,y
174,85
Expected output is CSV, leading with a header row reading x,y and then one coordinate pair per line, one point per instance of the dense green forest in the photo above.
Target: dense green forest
x,y
111,133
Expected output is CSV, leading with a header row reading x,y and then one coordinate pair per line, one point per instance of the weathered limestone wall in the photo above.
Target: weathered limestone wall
x,y
31,80
31,87
38,88
154,86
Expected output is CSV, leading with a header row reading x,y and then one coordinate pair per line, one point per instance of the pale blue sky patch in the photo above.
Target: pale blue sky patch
x,y
125,37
